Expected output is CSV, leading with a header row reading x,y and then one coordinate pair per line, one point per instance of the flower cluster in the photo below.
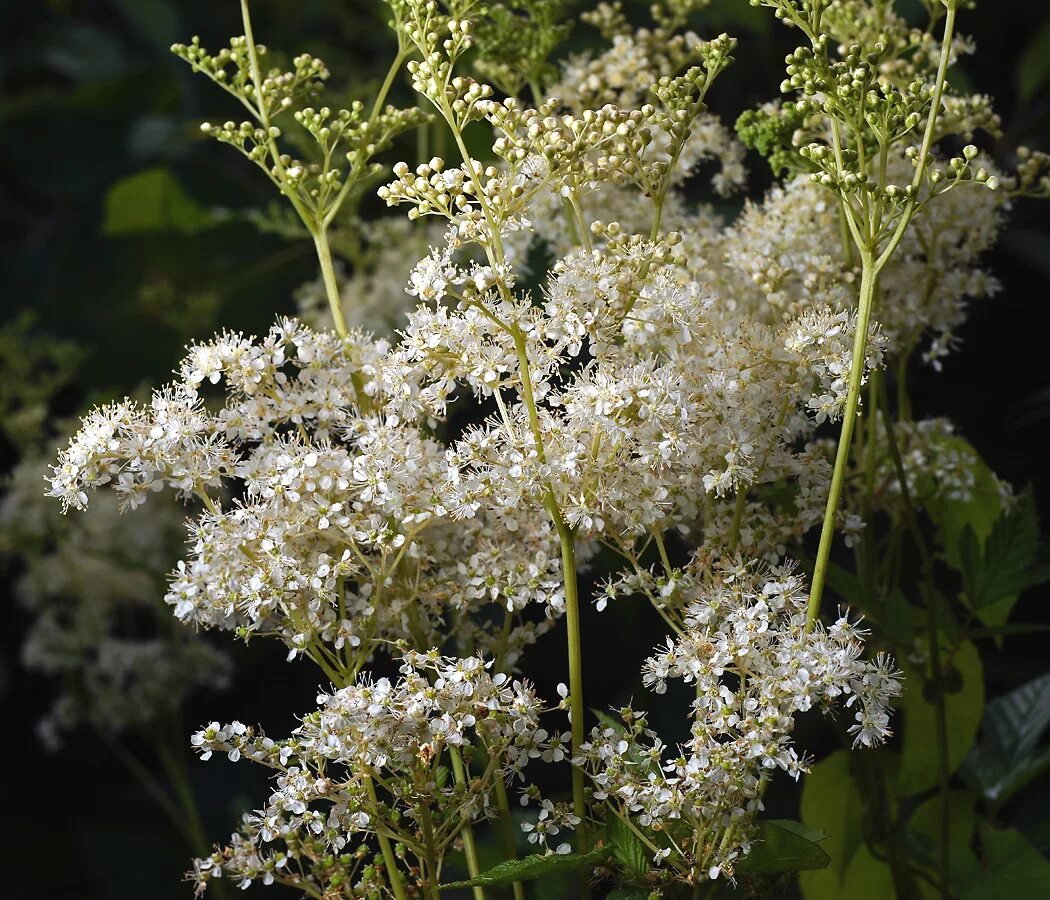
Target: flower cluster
x,y
374,759
744,645
593,364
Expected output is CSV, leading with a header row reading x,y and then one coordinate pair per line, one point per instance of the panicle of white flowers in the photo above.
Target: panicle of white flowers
x,y
790,245
372,760
744,645
666,374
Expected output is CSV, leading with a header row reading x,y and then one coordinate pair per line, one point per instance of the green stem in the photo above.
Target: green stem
x,y
871,267
386,848
869,278
506,829
470,849
927,138
431,889
331,285
738,518
567,538
944,819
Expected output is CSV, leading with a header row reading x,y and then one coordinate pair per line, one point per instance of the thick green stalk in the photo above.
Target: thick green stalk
x,y
567,538
871,267
331,286
470,849
868,282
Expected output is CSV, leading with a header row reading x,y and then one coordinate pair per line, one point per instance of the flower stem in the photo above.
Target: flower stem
x,y
387,849
506,828
470,848
871,267
430,885
868,282
567,538
331,286
941,714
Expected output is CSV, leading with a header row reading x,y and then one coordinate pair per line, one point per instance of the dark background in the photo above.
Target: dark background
x,y
89,94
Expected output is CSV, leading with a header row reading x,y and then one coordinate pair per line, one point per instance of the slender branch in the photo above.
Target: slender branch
x,y
470,849
389,858
827,533
506,829
576,708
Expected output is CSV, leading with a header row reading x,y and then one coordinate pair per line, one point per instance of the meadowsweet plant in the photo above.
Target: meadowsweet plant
x,y
581,368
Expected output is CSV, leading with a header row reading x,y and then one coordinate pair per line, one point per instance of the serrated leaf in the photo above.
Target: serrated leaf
x,y
1008,756
783,845
628,850
535,866
1010,560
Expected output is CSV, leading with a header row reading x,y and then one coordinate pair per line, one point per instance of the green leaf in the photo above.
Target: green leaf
x,y
151,201
1008,755
783,845
1012,869
630,894
924,830
628,850
867,878
535,866
919,761
845,584
831,803
1010,560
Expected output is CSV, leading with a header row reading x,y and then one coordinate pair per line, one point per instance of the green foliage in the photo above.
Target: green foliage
x,y
515,41
1011,867
831,803
151,201
962,671
1010,560
953,516
923,835
535,866
1008,755
769,131
782,845
628,850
